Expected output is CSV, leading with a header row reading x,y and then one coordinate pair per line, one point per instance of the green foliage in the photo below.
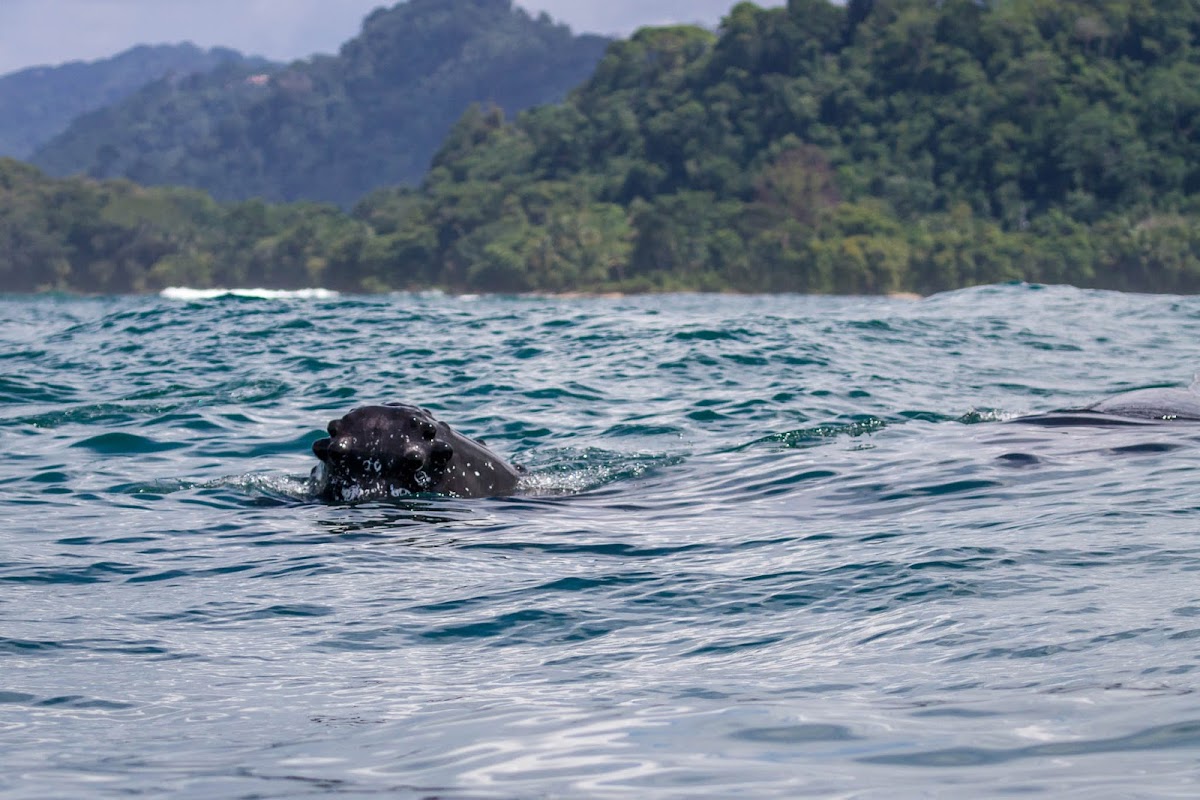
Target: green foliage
x,y
876,146
114,236
332,128
38,103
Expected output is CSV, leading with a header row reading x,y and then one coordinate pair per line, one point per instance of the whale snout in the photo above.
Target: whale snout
x,y
397,450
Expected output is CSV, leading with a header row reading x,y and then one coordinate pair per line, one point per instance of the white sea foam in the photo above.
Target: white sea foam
x,y
185,293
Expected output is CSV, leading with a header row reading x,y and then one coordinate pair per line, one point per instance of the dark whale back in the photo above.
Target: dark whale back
x,y
1139,407
1157,404
396,450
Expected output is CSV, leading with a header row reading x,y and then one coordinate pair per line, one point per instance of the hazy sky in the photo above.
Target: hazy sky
x,y
34,32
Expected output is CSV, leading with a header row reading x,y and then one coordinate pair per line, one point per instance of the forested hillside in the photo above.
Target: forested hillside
x,y
334,127
865,147
39,103
82,235
894,145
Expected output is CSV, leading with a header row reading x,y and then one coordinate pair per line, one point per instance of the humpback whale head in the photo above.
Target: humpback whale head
x,y
395,450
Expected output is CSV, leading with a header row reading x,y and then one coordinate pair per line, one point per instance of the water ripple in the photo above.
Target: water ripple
x,y
768,546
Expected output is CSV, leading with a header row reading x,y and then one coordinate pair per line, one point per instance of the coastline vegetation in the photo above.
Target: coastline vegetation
x,y
877,146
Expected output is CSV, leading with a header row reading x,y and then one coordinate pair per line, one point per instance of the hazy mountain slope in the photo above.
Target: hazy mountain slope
x,y
334,127
39,103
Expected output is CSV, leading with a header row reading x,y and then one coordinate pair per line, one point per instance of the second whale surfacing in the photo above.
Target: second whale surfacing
x,y
1138,407
395,450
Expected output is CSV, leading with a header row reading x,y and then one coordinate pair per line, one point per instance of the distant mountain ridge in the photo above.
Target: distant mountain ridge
x,y
38,103
332,128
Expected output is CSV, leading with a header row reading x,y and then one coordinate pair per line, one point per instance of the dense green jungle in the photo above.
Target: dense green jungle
x,y
871,147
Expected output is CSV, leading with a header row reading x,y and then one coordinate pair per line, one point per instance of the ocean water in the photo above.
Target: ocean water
x,y
767,547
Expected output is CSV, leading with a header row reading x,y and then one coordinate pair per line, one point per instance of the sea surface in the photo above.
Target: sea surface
x,y
766,547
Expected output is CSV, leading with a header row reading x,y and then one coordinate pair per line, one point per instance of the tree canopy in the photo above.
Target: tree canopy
x,y
873,146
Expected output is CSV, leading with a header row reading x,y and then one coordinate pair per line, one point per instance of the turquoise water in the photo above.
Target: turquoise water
x,y
767,547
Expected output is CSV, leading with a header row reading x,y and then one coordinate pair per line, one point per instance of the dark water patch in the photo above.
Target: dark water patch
x,y
796,734
689,364
746,359
940,489
291,610
89,541
321,389
15,698
954,712
732,646
562,323
28,646
311,364
81,703
100,572
714,335
531,624
567,586
295,325
485,389
1019,459
1036,342
16,391
706,415
926,416
188,421
236,613
761,482
607,549
1147,448
1162,737
51,476
125,444
1038,652
150,647
141,323
562,393
792,359
168,575
642,431
869,325
20,355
